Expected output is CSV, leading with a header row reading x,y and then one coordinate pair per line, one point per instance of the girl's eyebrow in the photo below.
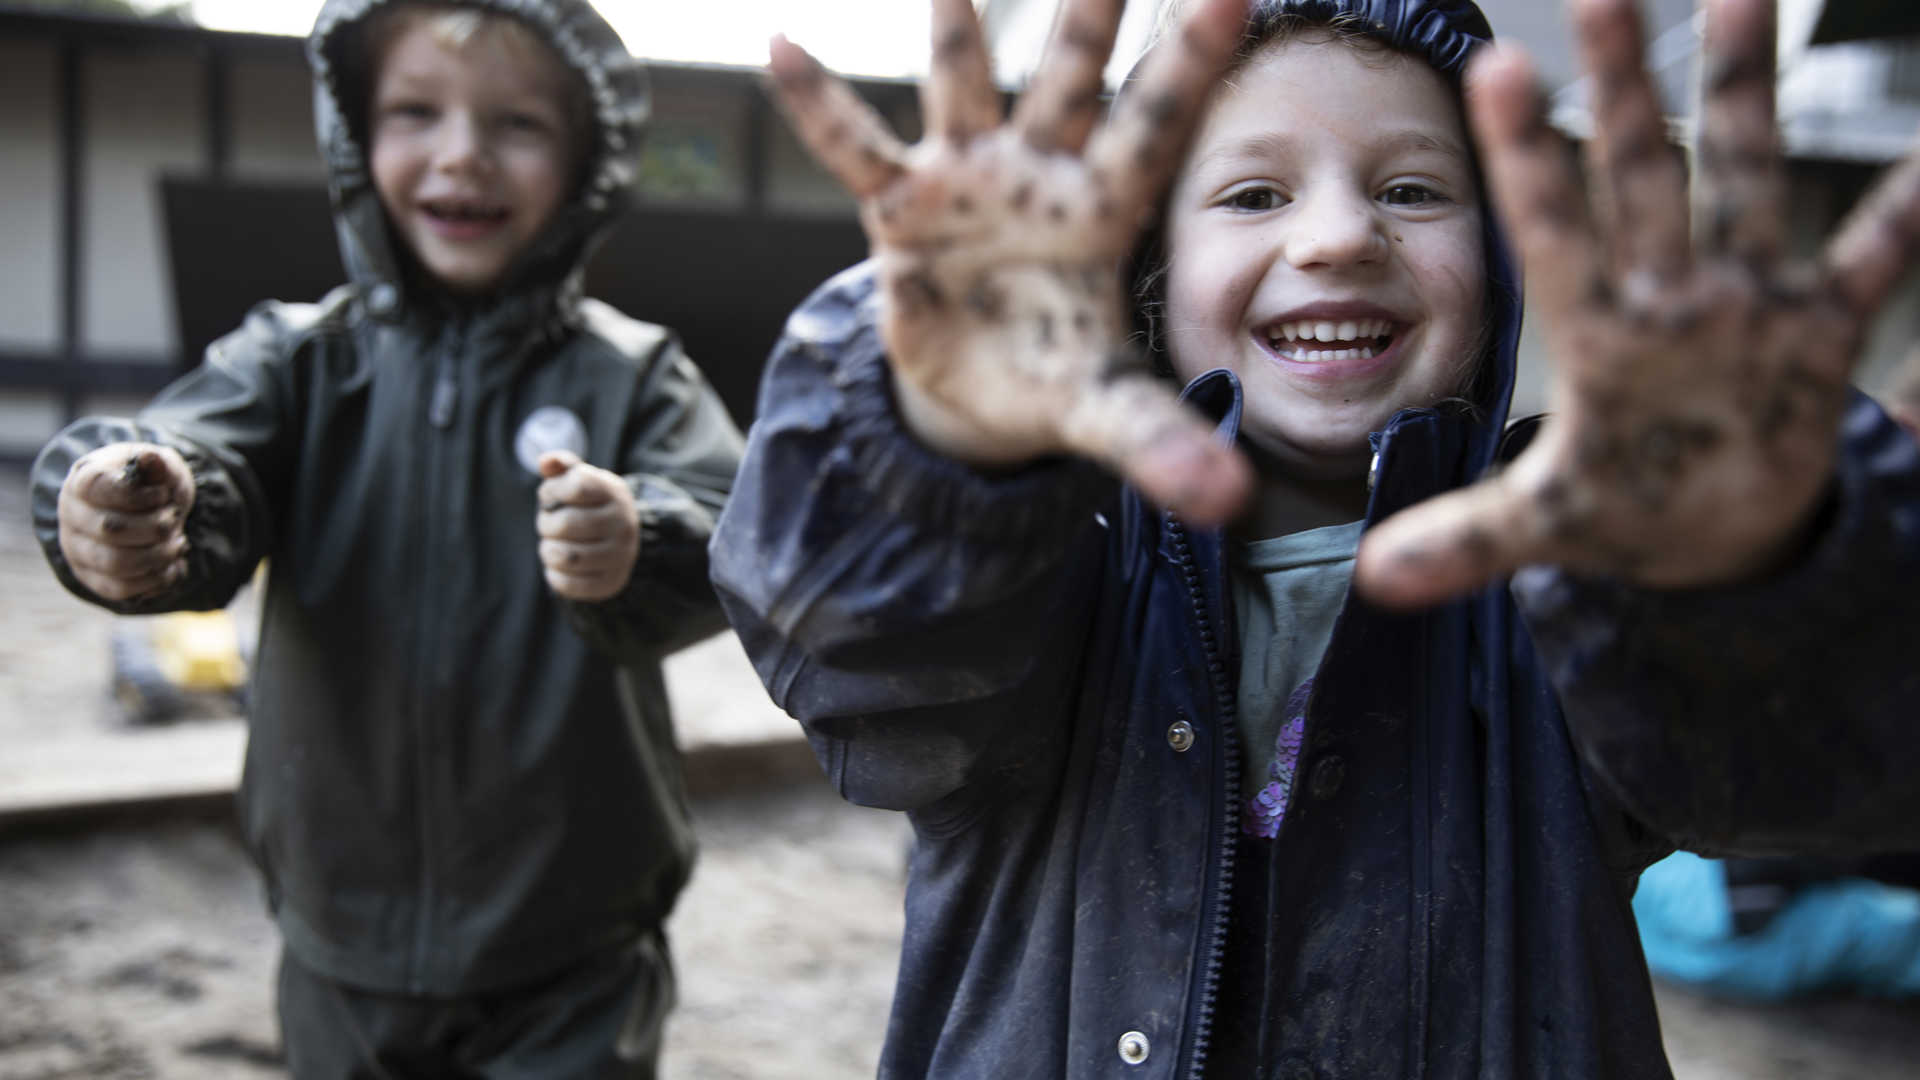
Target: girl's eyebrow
x,y
1270,145
1412,141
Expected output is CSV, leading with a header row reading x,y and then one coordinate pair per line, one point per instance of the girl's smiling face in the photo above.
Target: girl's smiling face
x,y
1326,244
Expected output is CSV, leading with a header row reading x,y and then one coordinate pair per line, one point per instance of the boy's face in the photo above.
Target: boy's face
x,y
1325,240
472,152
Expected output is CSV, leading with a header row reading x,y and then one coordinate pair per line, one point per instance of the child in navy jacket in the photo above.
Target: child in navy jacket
x,y
1185,802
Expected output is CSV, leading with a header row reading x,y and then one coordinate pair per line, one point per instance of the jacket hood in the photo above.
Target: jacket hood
x,y
548,274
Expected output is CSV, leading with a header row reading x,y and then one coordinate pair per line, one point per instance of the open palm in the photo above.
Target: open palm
x,y
1701,373
999,245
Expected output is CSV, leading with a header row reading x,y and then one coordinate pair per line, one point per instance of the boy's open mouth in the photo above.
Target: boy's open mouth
x,y
459,212
1319,341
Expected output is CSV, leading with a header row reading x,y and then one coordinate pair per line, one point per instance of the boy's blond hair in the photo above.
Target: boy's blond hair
x,y
462,28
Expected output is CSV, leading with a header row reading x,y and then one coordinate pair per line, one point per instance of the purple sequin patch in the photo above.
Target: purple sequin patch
x,y
1269,804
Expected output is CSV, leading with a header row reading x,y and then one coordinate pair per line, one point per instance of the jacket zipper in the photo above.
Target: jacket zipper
x,y
1216,906
442,407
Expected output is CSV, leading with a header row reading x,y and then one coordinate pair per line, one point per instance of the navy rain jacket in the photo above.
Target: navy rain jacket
x,y
1003,657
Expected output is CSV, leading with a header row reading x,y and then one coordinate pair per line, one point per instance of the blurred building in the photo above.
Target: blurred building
x,y
156,180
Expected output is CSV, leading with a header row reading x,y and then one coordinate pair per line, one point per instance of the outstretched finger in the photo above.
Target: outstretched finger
x,y
1740,201
1531,174
1449,546
844,133
1639,180
958,98
1062,104
1877,242
1136,427
1137,151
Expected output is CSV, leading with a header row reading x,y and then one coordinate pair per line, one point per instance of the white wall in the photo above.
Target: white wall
x,y
143,118
30,206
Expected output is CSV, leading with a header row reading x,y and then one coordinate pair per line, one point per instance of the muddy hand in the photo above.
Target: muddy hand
x,y
589,528
1701,374
999,245
123,518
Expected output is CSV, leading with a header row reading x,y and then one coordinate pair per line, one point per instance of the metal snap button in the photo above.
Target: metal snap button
x,y
1328,775
1134,1048
1180,736
383,300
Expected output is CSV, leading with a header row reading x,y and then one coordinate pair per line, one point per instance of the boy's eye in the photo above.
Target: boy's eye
x,y
1409,195
522,121
408,110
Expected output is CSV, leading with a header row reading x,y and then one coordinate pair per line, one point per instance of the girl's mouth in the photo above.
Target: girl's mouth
x,y
1320,341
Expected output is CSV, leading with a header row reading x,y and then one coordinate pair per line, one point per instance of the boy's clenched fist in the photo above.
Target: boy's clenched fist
x,y
589,528
123,514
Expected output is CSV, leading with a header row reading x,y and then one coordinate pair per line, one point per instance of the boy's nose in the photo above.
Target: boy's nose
x,y
1335,230
462,145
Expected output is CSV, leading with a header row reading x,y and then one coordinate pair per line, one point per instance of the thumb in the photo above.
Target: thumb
x,y
1136,427
134,476
556,462
154,466
1450,545
145,468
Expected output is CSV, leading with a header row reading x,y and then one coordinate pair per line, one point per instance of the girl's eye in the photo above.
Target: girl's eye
x,y
1254,199
1410,195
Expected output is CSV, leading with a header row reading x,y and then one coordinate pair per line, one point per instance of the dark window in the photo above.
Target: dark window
x,y
1903,70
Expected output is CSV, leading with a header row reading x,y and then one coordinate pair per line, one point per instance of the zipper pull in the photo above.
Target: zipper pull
x,y
446,395
446,390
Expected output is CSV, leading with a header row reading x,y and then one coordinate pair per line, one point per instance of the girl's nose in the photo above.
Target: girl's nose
x,y
1335,229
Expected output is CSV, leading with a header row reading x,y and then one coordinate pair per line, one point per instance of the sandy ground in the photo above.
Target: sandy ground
x,y
141,949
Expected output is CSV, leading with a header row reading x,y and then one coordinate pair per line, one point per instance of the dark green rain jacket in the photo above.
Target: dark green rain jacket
x,y
455,780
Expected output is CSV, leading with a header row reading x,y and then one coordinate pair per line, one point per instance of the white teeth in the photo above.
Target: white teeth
x,y
1322,356
1355,330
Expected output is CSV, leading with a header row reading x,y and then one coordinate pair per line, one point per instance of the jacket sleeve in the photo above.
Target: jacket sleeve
x,y
230,420
897,603
1772,717
681,451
